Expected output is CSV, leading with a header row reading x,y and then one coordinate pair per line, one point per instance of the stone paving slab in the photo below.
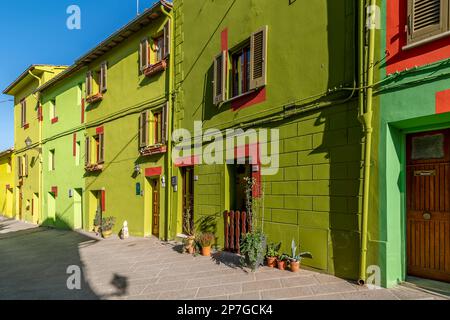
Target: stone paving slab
x,y
34,262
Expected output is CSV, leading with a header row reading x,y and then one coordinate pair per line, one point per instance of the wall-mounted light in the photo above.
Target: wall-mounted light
x,y
163,181
137,169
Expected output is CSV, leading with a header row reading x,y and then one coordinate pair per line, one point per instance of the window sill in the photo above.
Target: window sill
x,y
155,68
26,126
151,150
94,167
425,41
240,96
55,120
94,98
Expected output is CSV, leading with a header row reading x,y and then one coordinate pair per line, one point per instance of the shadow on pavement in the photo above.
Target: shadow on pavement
x,y
34,264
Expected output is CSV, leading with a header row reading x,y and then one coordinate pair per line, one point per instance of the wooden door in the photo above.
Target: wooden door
x,y
428,205
155,207
188,200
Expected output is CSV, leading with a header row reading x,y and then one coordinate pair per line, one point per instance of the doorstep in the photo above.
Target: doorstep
x,y
429,286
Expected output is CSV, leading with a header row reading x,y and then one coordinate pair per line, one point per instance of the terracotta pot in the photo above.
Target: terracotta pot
x,y
206,251
281,264
271,262
295,266
106,233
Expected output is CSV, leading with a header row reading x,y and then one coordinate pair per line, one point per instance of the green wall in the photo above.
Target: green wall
x,y
62,211
406,105
315,198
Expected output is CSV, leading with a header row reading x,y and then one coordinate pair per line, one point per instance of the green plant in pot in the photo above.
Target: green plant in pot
x,y
189,230
97,222
107,226
295,259
272,254
282,261
205,240
253,245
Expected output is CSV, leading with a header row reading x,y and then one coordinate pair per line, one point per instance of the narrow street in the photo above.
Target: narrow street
x,y
34,262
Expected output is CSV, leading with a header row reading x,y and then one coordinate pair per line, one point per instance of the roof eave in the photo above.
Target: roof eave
x,y
100,49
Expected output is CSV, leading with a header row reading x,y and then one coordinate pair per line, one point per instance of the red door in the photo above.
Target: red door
x,y
428,205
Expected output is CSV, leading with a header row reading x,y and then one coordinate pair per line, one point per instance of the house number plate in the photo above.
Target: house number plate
x,y
424,173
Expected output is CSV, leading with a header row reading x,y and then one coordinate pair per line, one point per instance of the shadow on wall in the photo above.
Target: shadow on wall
x,y
35,266
341,148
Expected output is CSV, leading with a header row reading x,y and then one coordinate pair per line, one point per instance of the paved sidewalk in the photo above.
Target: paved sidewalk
x,y
33,264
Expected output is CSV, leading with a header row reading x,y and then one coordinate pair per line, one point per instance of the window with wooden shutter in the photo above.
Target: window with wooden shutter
x,y
157,127
89,84
220,77
87,151
165,124
258,58
25,169
426,18
101,148
166,39
158,44
143,129
23,112
144,54
103,77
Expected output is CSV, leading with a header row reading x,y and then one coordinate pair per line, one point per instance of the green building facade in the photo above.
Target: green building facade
x,y
63,151
315,197
412,108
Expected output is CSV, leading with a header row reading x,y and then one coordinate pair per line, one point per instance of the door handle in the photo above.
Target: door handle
x,y
426,215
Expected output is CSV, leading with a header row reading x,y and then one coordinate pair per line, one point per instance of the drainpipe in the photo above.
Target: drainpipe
x,y
169,120
366,120
40,182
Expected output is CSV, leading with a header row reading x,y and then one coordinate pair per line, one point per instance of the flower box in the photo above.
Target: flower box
x,y
94,167
151,150
94,98
155,68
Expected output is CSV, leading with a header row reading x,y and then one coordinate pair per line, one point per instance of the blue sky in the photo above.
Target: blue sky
x,y
35,32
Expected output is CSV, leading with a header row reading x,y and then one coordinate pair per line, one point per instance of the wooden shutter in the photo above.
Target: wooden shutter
x,y
88,151
101,151
89,84
25,165
165,124
23,110
220,77
103,77
426,18
258,58
143,54
143,129
166,51
19,167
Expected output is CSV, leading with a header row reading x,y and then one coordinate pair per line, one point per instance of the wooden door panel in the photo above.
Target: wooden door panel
x,y
428,215
155,209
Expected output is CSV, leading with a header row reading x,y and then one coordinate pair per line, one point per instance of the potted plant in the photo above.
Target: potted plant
x,y
272,253
252,249
282,261
189,241
295,259
97,222
107,226
205,240
189,244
